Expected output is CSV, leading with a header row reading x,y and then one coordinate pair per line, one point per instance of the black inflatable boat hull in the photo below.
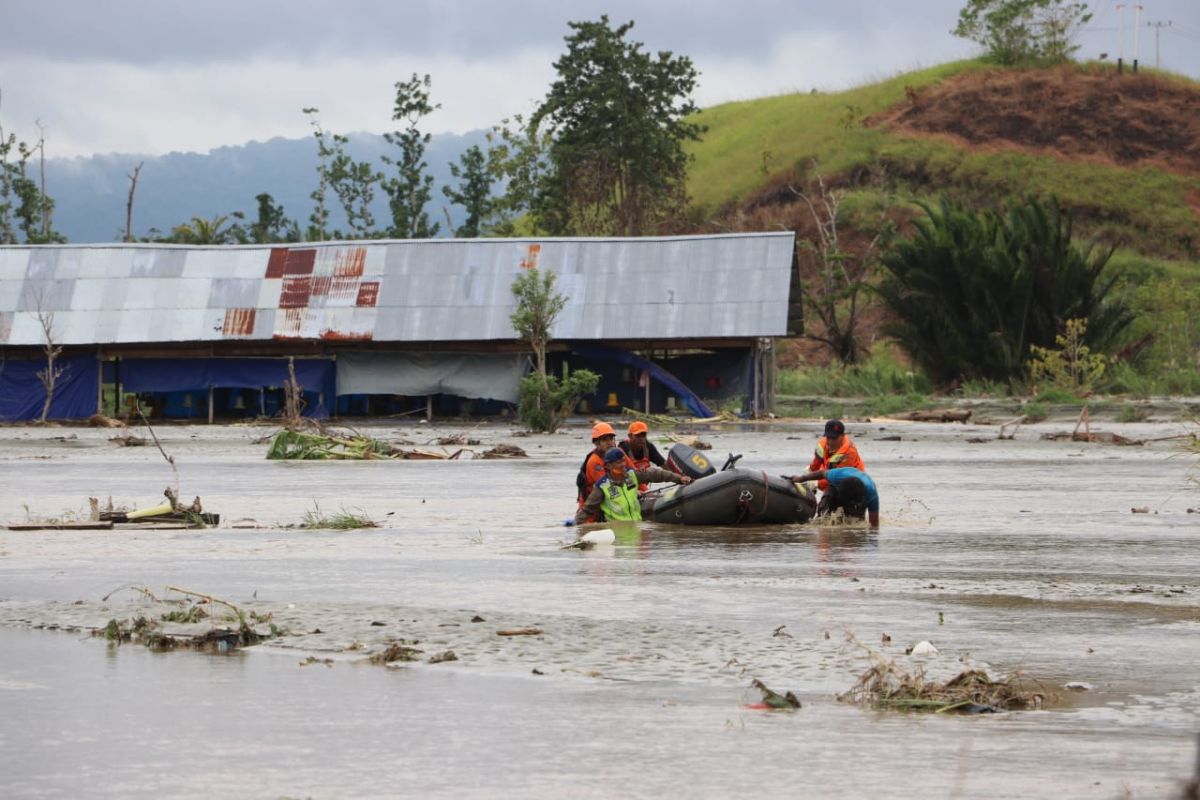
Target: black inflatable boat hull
x,y
732,497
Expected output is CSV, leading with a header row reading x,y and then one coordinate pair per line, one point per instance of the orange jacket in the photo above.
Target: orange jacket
x,y
845,456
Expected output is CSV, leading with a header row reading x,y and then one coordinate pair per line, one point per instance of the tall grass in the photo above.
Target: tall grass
x,y
881,374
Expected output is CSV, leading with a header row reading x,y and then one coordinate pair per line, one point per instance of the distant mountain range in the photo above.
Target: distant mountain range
x,y
90,193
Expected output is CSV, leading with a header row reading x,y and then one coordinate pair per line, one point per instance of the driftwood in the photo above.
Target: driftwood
x,y
81,525
1095,437
1015,423
505,451
520,632
937,415
128,440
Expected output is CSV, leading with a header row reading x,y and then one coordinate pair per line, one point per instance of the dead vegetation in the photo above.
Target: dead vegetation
x,y
239,631
887,685
329,445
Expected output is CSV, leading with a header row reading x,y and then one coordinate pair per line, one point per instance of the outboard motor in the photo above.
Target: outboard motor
x,y
689,461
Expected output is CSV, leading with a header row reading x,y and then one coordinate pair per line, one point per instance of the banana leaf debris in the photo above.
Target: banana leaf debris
x,y
300,446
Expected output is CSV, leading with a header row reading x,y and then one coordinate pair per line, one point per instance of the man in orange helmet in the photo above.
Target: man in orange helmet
x,y
604,438
641,450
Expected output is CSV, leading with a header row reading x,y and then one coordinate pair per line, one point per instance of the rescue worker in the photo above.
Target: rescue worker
x,y
616,494
835,449
641,450
849,489
604,438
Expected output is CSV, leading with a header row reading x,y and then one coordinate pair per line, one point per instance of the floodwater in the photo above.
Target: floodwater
x,y
1008,555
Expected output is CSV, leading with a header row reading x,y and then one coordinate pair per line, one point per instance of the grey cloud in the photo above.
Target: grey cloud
x,y
155,31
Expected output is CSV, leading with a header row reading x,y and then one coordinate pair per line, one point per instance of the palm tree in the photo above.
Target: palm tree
x,y
204,231
972,291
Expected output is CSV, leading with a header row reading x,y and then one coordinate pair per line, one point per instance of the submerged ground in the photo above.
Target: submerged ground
x,y
1010,555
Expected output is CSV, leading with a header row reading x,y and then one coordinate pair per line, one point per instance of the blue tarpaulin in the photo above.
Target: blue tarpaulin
x,y
194,374
601,353
22,394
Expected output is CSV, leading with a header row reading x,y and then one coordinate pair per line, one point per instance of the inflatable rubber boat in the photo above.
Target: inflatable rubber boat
x,y
733,496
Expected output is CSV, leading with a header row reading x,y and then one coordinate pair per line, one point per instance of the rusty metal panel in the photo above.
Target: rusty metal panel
x,y
438,290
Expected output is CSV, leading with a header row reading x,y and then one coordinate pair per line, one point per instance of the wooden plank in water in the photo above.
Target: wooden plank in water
x,y
61,526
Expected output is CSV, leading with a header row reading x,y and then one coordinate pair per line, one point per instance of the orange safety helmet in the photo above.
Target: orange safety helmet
x,y
602,429
638,427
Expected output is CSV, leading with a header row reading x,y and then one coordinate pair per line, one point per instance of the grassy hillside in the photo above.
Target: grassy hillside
x,y
1121,152
981,134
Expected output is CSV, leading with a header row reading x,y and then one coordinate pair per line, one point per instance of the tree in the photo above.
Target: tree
x,y
354,184
318,221
474,192
410,188
272,224
972,292
23,200
50,375
516,158
217,230
1013,31
617,121
545,400
133,179
836,279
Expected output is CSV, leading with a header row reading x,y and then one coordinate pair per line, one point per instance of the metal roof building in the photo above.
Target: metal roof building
x,y
348,300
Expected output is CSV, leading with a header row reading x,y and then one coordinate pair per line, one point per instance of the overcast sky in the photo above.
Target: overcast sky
x,y
155,76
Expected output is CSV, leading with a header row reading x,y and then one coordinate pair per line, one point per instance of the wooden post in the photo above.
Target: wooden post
x,y
99,380
118,410
647,409
210,405
262,401
429,407
755,364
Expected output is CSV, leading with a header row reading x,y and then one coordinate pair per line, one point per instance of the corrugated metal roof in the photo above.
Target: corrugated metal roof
x,y
394,291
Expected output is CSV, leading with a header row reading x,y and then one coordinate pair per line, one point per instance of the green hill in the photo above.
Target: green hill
x,y
1120,151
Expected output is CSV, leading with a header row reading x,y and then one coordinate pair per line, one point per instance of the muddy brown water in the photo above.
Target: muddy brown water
x,y
1010,555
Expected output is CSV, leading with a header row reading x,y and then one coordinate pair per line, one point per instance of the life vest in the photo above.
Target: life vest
x,y
637,463
590,471
620,501
845,456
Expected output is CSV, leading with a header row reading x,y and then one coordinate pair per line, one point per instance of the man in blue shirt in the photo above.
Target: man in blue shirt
x,y
850,489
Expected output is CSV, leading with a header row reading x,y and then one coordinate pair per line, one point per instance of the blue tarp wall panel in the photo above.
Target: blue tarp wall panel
x,y
315,375
601,353
22,394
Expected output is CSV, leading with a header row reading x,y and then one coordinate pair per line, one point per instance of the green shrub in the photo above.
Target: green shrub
x,y
543,405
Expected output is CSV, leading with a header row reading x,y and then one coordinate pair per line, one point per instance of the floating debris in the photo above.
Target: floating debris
x,y
299,446
1094,437
505,451
886,685
922,649
520,632
772,700
397,651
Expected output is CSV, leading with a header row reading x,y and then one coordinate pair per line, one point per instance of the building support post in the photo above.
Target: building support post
x,y
210,404
99,380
